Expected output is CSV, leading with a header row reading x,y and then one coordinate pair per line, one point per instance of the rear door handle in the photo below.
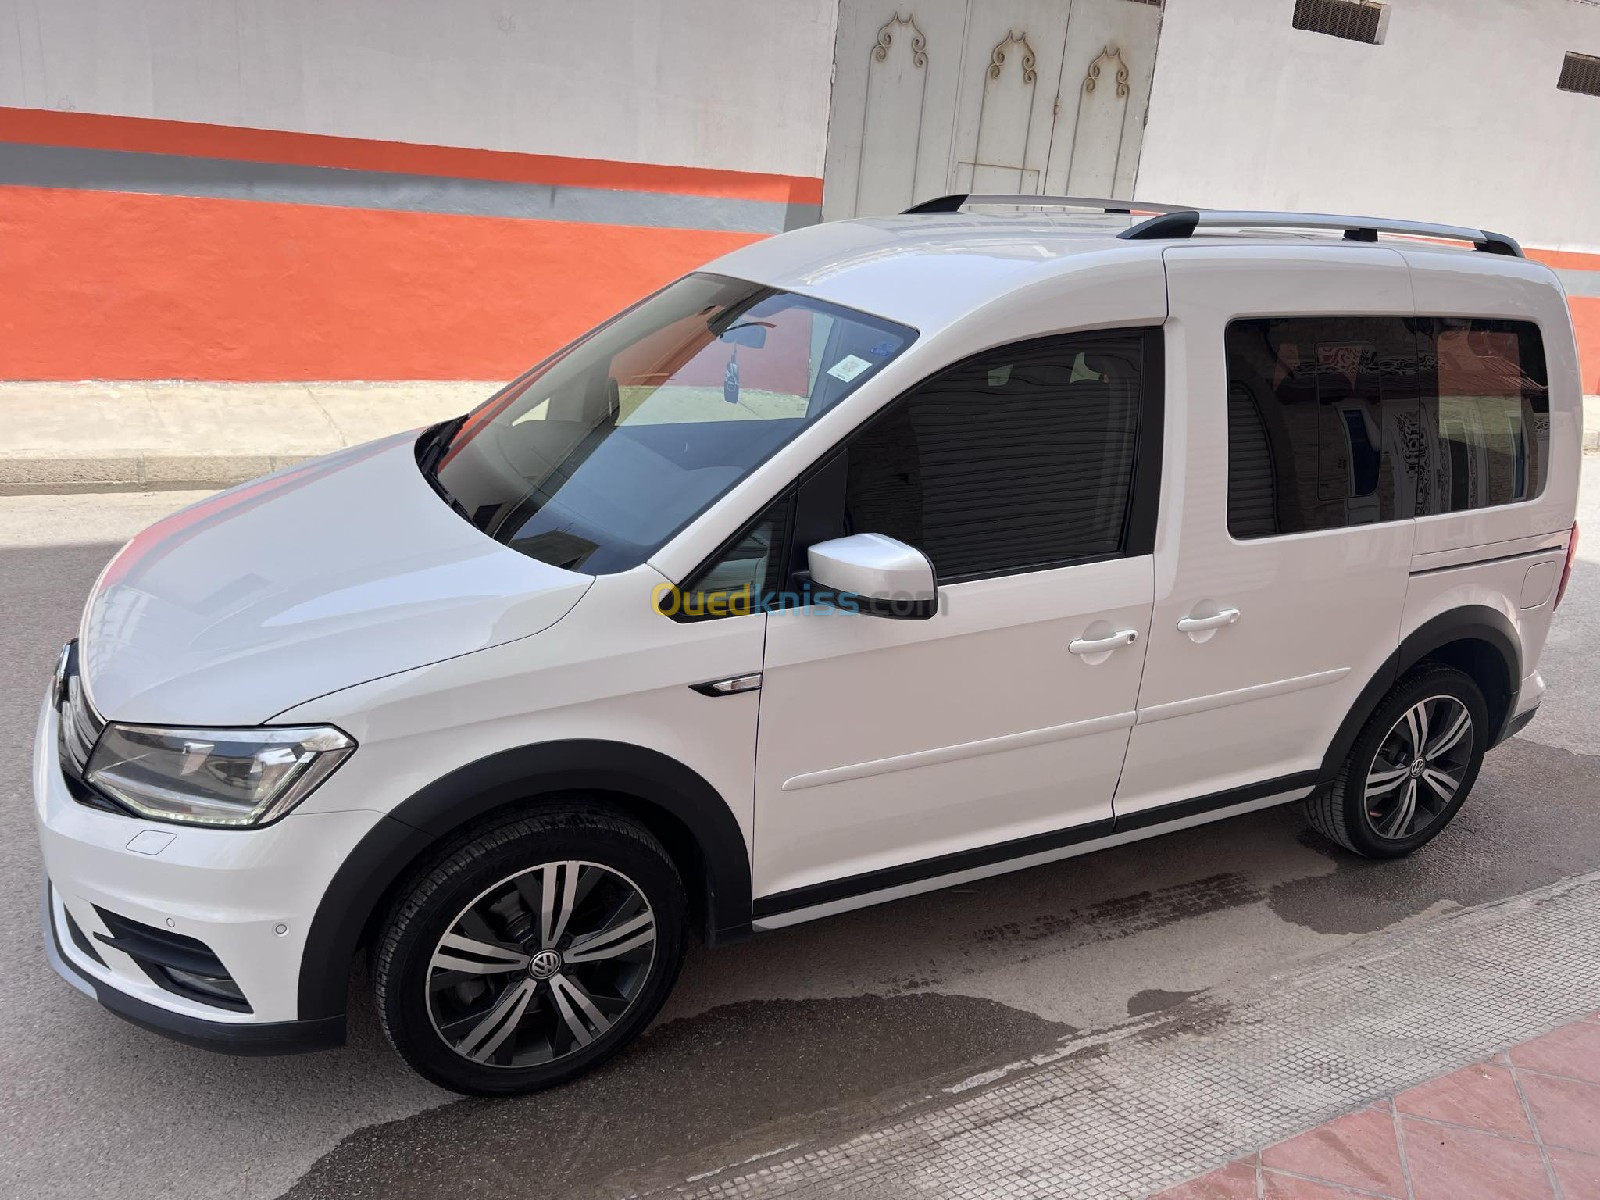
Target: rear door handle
x,y
1122,637
1215,621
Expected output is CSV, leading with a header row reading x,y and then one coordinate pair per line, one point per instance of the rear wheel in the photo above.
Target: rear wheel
x,y
1410,768
531,953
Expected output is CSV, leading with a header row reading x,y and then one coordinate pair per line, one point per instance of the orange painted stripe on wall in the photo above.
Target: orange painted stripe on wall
x,y
113,285
110,285
1586,325
1585,311
43,127
1570,260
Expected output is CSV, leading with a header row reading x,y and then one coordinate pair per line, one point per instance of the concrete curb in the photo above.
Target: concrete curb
x,y
148,436
135,472
165,436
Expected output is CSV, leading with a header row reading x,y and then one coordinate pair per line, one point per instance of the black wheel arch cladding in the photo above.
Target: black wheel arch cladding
x,y
1476,639
670,799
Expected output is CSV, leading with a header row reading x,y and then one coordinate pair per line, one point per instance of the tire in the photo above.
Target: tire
x,y
521,999
1364,808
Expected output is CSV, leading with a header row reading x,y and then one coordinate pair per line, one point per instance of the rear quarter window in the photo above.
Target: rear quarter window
x,y
1349,420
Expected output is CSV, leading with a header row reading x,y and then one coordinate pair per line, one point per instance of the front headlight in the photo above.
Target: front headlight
x,y
214,776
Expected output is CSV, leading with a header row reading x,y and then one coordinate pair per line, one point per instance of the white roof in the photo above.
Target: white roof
x,y
928,270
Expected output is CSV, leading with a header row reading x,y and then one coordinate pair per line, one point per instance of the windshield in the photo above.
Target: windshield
x,y
597,457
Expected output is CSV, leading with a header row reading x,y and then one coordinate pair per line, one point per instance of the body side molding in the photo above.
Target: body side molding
x,y
962,750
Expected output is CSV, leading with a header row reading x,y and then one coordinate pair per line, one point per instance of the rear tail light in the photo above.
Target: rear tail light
x,y
1566,571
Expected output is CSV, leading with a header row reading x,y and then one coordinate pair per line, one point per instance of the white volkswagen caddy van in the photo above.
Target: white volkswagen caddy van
x,y
874,557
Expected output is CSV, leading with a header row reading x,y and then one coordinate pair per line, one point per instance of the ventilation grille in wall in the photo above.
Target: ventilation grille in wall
x,y
1580,73
1353,20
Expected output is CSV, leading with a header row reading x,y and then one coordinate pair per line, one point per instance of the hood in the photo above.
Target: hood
x,y
313,579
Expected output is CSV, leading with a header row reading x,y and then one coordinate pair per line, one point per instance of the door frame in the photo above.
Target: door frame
x,y
818,498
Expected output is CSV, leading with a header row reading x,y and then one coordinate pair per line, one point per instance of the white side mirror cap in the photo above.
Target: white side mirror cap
x,y
887,578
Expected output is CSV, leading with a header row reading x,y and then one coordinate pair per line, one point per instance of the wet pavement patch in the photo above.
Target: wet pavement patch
x,y
1153,1000
687,1085
1196,1017
1533,817
1140,912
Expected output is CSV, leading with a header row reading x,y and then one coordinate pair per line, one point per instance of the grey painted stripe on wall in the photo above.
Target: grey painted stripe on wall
x,y
229,179
1578,283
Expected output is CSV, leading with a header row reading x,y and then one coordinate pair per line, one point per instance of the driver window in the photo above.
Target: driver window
x,y
1019,458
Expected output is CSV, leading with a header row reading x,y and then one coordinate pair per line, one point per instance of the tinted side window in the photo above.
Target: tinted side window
x,y
1317,413
1486,409
1020,457
1336,421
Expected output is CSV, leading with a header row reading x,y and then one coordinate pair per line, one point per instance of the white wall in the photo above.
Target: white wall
x,y
735,84
1455,118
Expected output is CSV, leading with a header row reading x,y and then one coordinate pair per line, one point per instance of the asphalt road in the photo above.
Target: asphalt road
x,y
762,1041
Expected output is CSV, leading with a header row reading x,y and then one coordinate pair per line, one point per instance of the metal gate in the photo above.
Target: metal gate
x,y
1027,96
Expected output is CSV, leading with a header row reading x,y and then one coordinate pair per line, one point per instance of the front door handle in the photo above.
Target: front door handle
x,y
1215,621
1104,645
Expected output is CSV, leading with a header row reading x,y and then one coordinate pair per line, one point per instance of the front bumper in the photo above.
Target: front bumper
x,y
248,896
234,1037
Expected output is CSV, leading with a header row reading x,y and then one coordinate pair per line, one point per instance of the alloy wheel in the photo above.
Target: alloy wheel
x,y
1419,767
542,964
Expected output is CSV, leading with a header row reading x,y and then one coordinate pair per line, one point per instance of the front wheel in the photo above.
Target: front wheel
x,y
531,953
1410,768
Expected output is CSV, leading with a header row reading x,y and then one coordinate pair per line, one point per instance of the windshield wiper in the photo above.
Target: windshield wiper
x,y
434,444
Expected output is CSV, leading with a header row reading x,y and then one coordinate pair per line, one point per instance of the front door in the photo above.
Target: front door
x,y
1000,96
892,751
1282,570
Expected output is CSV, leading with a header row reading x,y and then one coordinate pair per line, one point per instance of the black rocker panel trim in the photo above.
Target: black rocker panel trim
x,y
1039,843
1179,809
927,868
520,774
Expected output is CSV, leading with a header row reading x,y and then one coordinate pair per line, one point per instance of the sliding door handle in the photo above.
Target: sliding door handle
x,y
1215,621
1104,645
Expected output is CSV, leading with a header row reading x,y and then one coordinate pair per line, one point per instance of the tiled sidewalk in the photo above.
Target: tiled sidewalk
x,y
1524,1125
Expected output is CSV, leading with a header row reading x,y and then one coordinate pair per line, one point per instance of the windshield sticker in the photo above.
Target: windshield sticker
x,y
848,367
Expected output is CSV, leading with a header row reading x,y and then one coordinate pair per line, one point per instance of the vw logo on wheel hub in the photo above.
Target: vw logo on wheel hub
x,y
545,964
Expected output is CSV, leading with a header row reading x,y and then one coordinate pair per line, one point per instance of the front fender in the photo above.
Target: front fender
x,y
663,792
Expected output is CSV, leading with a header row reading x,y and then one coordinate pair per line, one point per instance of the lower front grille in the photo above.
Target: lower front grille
x,y
184,966
84,945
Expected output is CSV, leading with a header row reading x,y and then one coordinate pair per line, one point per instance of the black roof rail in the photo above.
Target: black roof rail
x,y
957,201
1183,223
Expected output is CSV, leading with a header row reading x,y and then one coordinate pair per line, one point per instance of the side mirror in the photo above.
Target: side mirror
x,y
887,578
